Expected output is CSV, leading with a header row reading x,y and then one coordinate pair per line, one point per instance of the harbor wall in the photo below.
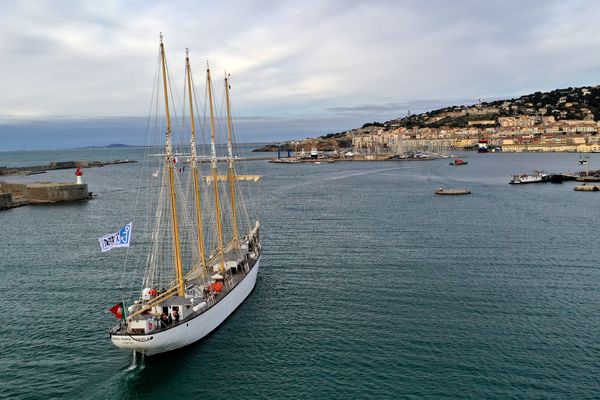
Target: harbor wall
x,y
15,189
55,192
5,200
46,192
55,165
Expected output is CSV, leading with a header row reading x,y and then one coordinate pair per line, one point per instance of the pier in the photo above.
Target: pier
x,y
56,165
224,159
593,178
22,194
354,157
583,176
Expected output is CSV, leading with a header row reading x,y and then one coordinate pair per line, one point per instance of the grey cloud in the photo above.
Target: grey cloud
x,y
398,108
346,60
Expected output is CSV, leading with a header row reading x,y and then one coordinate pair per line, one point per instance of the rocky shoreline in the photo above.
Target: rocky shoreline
x,y
270,148
320,143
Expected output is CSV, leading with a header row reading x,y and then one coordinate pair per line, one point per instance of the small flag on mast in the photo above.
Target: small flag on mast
x,y
117,309
117,239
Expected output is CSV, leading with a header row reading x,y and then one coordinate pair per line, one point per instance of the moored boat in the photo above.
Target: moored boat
x,y
482,145
537,177
458,161
314,153
452,192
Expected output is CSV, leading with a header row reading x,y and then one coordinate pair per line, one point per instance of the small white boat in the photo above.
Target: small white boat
x,y
536,177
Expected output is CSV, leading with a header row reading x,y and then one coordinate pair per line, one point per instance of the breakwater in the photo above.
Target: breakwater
x,y
224,159
21,194
482,310
56,165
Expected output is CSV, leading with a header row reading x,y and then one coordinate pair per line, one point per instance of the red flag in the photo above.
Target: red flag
x,y
117,309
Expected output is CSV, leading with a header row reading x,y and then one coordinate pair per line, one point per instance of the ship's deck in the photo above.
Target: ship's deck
x,y
232,278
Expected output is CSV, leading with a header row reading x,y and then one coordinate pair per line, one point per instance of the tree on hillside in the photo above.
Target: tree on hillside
x,y
374,123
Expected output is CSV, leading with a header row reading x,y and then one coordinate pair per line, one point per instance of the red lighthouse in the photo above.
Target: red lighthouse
x,y
79,174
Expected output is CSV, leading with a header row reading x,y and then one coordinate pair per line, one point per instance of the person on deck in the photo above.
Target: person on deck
x,y
164,320
176,316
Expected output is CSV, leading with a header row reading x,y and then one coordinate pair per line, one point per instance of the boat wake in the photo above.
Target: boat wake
x,y
357,172
135,365
190,286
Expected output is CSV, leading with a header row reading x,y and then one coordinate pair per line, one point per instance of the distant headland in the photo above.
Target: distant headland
x,y
111,146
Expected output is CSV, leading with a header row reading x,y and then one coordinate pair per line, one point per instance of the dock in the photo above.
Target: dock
x,y
588,179
354,157
292,160
239,178
583,176
224,159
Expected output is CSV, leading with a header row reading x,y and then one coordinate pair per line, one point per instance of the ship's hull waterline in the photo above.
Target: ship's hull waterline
x,y
193,330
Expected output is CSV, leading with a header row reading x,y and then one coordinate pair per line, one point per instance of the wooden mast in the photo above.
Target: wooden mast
x,y
215,173
230,169
169,160
197,198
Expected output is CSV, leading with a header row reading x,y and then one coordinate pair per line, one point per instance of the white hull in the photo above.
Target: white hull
x,y
193,330
527,179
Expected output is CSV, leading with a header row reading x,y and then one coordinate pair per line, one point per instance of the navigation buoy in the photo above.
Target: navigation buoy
x,y
79,174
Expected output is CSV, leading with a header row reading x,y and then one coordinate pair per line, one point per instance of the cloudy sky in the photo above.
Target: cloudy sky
x,y
81,72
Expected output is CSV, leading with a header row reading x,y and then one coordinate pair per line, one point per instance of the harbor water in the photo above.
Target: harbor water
x,y
371,286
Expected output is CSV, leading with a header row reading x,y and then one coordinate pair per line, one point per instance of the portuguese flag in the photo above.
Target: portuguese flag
x,y
118,310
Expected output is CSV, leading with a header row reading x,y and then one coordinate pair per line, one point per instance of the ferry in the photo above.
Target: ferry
x,y
536,177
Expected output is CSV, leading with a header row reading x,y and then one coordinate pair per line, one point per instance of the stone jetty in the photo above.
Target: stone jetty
x,y
6,200
22,194
38,169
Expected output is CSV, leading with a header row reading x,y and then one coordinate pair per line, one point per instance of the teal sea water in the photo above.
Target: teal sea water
x,y
370,287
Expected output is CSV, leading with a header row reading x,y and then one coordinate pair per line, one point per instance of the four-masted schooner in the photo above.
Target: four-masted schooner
x,y
199,296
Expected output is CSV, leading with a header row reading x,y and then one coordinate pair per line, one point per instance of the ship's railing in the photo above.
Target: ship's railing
x,y
211,298
157,300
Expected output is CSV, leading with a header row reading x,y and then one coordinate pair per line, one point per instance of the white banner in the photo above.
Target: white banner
x,y
117,239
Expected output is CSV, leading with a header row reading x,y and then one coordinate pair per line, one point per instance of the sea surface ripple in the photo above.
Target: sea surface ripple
x,y
370,287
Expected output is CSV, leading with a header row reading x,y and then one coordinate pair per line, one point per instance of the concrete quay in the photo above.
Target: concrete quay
x,y
39,169
21,194
6,201
593,178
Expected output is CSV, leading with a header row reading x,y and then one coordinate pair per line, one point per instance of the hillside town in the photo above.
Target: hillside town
x,y
563,120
